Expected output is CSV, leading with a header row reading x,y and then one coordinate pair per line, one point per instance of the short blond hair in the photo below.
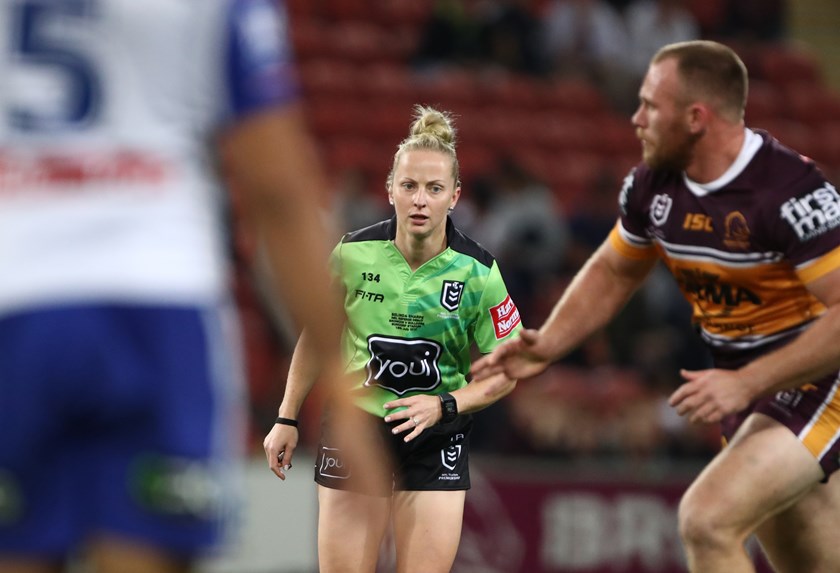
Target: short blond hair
x,y
712,72
432,130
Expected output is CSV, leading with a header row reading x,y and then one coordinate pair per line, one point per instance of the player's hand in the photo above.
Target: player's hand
x,y
421,412
279,446
518,358
709,395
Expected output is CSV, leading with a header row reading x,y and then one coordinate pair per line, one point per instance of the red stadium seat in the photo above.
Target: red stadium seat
x,y
360,42
346,9
782,66
475,161
512,90
573,95
811,103
709,15
303,9
568,174
614,135
562,132
411,14
447,88
764,101
388,122
355,152
504,129
330,77
310,39
336,117
827,146
388,82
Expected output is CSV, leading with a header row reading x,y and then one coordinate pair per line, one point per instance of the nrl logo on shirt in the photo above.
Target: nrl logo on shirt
x,y
660,208
450,295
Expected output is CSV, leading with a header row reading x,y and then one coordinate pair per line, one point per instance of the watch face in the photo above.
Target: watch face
x,y
449,408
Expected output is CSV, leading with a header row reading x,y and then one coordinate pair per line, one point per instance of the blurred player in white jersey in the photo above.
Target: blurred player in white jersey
x,y
120,388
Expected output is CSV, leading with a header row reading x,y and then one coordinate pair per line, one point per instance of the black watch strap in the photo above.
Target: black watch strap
x,y
448,408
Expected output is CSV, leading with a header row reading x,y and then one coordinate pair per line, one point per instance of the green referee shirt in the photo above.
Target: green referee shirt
x,y
410,332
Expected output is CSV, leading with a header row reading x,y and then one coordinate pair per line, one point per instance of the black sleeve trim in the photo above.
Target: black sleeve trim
x,y
381,231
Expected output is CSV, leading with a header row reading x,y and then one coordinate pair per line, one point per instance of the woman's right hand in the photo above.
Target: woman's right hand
x,y
279,446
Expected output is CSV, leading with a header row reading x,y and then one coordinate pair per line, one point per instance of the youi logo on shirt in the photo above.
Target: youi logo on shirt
x,y
403,365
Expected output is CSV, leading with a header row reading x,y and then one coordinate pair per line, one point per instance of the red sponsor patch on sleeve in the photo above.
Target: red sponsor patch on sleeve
x,y
505,317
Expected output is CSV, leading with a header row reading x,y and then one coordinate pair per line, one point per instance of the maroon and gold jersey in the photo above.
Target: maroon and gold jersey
x,y
742,248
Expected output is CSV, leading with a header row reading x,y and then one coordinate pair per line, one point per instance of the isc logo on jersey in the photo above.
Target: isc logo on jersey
x,y
505,317
402,365
814,214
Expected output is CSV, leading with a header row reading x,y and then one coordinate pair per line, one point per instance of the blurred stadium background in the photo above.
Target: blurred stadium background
x,y
580,469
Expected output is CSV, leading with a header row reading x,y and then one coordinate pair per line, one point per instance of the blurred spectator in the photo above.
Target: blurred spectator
x,y
588,38
756,20
510,37
526,228
356,203
654,23
477,196
593,220
450,36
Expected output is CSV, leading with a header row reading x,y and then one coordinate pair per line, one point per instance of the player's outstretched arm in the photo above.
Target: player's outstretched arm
x,y
594,297
521,357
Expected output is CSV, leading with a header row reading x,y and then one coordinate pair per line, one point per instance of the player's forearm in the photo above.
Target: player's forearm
x,y
815,353
302,279
477,395
271,161
596,294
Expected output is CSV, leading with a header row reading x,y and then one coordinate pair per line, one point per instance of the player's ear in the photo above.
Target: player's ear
x,y
455,196
698,117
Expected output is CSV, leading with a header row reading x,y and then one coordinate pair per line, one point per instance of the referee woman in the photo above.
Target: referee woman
x,y
419,297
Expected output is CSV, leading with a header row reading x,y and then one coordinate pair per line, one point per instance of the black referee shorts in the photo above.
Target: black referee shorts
x,y
436,460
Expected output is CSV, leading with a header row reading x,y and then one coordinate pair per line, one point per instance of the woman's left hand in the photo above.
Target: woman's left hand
x,y
421,412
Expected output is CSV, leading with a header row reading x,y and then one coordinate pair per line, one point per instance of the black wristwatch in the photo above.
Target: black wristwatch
x,y
448,408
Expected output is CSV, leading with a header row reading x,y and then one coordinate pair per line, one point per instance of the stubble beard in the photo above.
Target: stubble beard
x,y
673,153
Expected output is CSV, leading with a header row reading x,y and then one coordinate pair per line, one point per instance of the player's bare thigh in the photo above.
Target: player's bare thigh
x,y
350,530
427,529
804,536
764,470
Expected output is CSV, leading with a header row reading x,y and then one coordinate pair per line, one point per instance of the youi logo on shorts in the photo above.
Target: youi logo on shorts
x,y
331,465
403,365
